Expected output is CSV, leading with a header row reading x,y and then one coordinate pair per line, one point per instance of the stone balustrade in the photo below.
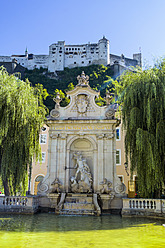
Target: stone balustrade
x,y
146,207
19,204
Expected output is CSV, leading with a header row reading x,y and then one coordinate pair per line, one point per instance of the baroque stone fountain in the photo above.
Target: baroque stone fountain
x,y
81,176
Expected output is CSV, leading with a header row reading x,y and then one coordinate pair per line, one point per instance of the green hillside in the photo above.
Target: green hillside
x,y
99,79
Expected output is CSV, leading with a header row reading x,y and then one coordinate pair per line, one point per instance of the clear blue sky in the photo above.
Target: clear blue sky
x,y
128,24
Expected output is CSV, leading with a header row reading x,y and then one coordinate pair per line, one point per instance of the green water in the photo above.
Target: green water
x,y
48,230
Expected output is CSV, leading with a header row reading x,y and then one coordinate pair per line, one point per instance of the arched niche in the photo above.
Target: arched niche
x,y
86,148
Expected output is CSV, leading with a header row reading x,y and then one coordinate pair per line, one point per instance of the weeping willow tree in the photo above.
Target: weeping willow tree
x,y
142,96
22,114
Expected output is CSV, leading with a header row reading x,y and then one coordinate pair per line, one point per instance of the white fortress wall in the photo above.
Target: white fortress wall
x,y
61,56
5,59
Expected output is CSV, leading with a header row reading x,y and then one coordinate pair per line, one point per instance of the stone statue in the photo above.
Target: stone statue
x,y
83,176
105,187
56,186
74,185
83,80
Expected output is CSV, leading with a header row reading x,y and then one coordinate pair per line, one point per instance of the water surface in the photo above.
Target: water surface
x,y
49,230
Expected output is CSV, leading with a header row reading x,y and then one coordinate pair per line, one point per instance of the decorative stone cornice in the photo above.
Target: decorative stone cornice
x,y
53,136
109,135
62,136
100,136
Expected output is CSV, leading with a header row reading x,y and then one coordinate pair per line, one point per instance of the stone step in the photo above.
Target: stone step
x,y
84,200
77,212
78,206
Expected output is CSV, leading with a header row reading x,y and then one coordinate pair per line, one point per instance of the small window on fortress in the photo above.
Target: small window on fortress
x,y
53,61
89,61
76,48
82,62
60,48
53,52
59,60
84,48
53,48
72,48
69,49
74,62
60,51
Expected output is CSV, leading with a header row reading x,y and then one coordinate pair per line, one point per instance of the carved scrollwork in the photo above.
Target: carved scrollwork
x,y
120,188
110,114
42,187
54,113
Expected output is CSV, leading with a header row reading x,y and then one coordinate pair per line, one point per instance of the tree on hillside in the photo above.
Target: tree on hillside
x,y
142,95
22,114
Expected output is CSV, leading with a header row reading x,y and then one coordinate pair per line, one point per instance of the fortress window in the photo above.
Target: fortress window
x,y
53,48
75,53
92,52
72,48
53,61
84,48
60,51
60,48
74,62
82,62
59,60
89,61
53,52
69,49
76,48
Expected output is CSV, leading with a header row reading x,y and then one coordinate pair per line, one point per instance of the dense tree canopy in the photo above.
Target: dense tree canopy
x,y
99,79
22,114
142,95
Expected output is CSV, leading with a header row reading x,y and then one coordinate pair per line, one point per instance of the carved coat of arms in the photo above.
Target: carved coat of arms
x,y
82,102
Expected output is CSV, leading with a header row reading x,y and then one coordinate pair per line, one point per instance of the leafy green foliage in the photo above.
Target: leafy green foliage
x,y
22,114
99,78
142,95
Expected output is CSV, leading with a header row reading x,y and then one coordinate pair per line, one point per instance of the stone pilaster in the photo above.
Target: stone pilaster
x,y
108,157
100,167
62,158
53,156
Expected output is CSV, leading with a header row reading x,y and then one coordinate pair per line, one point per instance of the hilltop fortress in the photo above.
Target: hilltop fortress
x,y
61,56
